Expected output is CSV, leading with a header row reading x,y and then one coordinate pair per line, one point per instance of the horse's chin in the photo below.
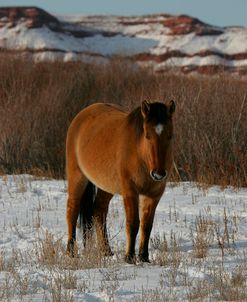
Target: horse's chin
x,y
157,177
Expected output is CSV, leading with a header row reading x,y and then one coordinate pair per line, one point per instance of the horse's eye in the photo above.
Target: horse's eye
x,y
147,136
170,137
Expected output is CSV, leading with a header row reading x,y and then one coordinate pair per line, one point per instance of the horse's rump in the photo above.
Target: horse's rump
x,y
96,133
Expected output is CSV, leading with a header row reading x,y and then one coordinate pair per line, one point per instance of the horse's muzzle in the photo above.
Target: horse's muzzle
x,y
158,177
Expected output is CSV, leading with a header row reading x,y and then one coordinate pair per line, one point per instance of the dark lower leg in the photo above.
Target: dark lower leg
x,y
143,248
132,227
148,206
131,232
72,216
100,213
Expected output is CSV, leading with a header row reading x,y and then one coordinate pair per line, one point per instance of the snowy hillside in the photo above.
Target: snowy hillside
x,y
160,41
204,260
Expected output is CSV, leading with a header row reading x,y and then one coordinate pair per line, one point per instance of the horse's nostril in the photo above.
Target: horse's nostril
x,y
163,173
158,176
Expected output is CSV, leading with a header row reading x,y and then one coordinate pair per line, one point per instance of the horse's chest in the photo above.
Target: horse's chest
x,y
150,188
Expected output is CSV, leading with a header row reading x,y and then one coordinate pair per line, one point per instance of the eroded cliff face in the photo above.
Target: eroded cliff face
x,y
159,41
32,17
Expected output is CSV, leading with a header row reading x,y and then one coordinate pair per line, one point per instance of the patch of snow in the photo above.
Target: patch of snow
x,y
29,208
202,61
43,38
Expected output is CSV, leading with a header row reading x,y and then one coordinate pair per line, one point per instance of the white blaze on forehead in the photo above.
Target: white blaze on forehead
x,y
159,128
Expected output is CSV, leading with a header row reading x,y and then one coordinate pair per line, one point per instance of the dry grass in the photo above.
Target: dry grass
x,y
167,253
60,274
231,286
59,270
38,102
51,252
204,235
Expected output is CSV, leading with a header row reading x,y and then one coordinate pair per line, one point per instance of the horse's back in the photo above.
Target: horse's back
x,y
104,107
96,113
92,144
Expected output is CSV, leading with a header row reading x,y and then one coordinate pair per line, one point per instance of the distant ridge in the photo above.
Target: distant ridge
x,y
160,41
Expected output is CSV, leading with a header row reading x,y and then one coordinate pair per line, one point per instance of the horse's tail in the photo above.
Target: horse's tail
x,y
86,210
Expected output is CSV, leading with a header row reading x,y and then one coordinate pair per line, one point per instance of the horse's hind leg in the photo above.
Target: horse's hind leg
x,y
100,211
77,183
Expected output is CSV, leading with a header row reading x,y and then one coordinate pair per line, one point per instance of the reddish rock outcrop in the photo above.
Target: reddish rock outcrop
x,y
160,36
178,54
178,25
183,24
32,16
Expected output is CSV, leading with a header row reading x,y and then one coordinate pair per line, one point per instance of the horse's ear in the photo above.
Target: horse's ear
x,y
171,107
145,108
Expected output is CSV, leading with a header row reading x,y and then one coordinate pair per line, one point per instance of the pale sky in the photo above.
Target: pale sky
x,y
215,12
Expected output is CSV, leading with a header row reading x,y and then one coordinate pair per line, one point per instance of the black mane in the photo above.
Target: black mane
x,y
136,120
157,115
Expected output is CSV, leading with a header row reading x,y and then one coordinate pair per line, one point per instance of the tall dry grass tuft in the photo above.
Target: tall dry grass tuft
x,y
203,236
167,254
51,253
38,102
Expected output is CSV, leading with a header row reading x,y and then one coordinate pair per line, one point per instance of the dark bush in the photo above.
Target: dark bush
x,y
39,100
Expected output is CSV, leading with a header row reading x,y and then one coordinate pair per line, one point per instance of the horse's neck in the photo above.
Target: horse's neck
x,y
140,157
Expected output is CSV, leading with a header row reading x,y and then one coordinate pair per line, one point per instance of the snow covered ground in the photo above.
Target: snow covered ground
x,y
194,220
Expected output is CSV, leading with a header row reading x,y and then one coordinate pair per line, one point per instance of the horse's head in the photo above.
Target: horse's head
x,y
157,138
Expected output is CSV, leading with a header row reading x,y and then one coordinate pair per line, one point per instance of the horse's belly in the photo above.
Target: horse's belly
x,y
100,170
108,186
105,181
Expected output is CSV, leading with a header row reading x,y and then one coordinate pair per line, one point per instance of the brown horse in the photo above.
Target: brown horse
x,y
118,152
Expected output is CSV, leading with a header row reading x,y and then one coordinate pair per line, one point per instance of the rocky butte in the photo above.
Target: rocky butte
x,y
161,42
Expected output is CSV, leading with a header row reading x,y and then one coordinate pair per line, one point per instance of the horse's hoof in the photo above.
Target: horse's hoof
x,y
130,259
108,253
70,249
70,253
143,258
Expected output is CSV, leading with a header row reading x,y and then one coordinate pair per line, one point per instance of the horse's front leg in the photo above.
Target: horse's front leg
x,y
132,225
148,207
